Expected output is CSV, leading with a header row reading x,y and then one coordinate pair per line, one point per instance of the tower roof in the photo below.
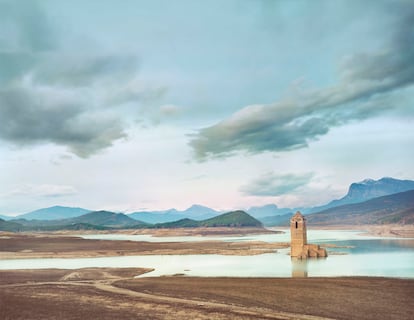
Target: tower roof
x,y
297,216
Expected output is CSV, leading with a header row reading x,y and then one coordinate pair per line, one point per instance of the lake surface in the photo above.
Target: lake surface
x,y
363,256
313,235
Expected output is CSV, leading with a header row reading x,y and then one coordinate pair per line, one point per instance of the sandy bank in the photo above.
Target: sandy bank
x,y
18,246
387,230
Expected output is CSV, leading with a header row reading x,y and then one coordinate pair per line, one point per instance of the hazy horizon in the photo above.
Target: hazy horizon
x,y
151,105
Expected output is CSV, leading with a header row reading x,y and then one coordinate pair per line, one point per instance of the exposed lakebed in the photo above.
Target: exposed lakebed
x,y
351,255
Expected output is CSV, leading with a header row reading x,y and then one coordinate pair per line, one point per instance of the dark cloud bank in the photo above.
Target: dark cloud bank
x,y
48,95
368,82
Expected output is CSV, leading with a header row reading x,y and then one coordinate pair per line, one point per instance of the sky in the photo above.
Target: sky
x,y
148,105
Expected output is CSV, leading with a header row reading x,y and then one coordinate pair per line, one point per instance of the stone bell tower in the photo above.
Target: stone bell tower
x,y
299,246
297,234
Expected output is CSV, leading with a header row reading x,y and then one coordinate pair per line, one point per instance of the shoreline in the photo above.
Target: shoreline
x,y
180,232
386,231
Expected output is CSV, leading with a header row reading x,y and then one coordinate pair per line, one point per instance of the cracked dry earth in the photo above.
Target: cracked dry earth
x,y
100,293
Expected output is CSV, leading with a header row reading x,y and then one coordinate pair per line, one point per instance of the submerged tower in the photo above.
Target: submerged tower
x,y
299,247
297,234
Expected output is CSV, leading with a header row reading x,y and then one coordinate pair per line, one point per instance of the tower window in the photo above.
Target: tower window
x,y
296,224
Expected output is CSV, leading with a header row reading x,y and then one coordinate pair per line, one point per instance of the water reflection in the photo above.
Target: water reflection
x,y
299,268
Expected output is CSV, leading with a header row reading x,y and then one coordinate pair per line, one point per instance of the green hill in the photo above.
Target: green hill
x,y
73,226
104,218
230,219
182,223
10,226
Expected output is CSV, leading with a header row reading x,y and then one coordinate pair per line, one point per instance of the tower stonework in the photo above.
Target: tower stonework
x,y
297,234
299,247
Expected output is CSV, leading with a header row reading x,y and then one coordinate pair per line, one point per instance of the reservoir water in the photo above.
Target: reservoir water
x,y
355,255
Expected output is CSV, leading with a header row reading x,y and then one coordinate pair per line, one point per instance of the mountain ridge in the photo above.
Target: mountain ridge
x,y
365,190
54,213
397,208
267,214
196,212
267,210
393,208
105,220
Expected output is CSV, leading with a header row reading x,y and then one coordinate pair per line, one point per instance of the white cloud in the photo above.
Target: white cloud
x,y
271,184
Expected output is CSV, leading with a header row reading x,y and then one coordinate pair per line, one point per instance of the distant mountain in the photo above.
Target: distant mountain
x,y
267,211
53,213
196,212
281,220
230,219
156,216
6,217
366,190
199,212
394,208
97,220
357,192
43,225
369,189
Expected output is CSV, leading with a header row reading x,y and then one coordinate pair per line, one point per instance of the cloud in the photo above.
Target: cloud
x,y
25,27
29,115
77,70
43,190
272,185
368,83
83,100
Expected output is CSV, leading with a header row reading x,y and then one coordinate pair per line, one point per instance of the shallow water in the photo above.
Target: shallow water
x,y
313,235
364,256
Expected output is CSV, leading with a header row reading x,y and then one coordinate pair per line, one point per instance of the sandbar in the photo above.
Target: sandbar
x,y
41,245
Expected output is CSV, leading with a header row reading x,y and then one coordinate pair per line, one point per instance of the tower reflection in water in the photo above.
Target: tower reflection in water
x,y
299,268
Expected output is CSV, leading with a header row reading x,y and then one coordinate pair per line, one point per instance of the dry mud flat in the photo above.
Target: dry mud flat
x,y
106,293
399,231
386,230
38,245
